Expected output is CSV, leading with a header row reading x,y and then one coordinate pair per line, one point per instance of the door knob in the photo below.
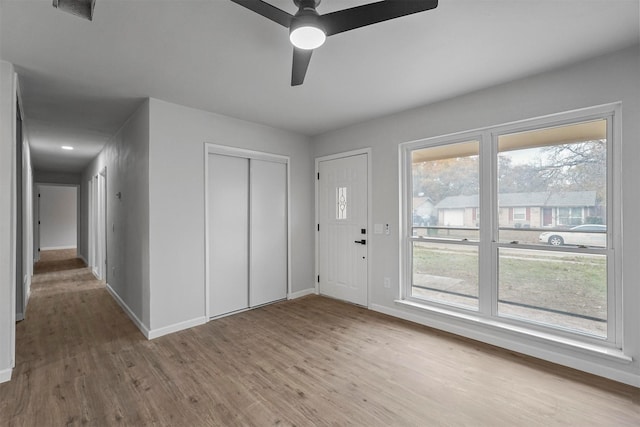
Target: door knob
x,y
362,242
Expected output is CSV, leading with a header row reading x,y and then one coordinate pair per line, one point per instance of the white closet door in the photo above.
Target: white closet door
x,y
228,234
268,213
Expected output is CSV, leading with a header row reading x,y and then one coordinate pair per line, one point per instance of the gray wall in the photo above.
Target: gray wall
x,y
126,158
177,234
56,177
611,78
58,216
7,219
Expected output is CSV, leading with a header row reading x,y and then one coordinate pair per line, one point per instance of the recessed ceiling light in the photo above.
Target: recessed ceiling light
x,y
67,147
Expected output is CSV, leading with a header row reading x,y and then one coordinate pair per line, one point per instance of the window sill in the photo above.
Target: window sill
x,y
613,354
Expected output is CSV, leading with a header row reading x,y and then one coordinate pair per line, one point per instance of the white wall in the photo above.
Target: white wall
x,y
126,158
58,207
611,78
7,219
176,195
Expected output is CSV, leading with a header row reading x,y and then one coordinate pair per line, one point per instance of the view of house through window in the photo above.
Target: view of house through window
x,y
445,192
552,191
547,211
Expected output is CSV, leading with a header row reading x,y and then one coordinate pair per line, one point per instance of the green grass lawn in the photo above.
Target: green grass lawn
x,y
567,282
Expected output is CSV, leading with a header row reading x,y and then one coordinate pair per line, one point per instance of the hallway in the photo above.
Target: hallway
x,y
71,324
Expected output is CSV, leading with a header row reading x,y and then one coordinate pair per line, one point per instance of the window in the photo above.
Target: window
x,y
570,216
519,214
445,267
543,256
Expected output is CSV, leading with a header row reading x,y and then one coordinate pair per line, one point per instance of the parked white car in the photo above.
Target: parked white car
x,y
582,235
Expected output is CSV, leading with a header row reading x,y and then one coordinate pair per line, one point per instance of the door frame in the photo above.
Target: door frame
x,y
368,152
36,218
225,150
97,224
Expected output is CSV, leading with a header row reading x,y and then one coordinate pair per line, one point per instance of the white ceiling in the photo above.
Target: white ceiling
x,y
80,80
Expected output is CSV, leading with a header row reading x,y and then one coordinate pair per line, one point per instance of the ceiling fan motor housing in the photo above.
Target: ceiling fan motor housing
x,y
306,15
300,4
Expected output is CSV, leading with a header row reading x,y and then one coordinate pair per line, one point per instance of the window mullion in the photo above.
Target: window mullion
x,y
614,267
487,253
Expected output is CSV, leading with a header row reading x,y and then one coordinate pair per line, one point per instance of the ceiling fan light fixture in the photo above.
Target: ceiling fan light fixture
x,y
307,37
306,32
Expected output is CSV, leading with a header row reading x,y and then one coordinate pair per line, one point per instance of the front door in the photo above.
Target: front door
x,y
343,234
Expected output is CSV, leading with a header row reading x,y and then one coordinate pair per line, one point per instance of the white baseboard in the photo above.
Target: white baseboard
x,y
165,330
56,248
130,313
28,295
154,333
5,375
532,349
302,293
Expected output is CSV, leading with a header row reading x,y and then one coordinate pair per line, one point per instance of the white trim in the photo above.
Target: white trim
x,y
289,270
128,311
302,293
369,153
5,375
614,207
207,290
531,348
165,330
26,284
55,248
14,223
212,148
83,259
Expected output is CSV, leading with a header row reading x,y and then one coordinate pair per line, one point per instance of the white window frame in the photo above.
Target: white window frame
x,y
487,313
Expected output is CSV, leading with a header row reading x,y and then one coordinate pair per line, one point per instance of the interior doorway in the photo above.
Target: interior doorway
x,y
342,195
57,219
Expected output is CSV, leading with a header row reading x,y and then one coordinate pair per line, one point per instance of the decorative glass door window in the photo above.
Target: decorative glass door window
x,y
341,202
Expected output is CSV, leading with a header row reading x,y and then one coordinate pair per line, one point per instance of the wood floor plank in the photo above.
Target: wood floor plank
x,y
308,362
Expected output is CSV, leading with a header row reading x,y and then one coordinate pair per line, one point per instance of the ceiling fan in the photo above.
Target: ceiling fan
x,y
308,30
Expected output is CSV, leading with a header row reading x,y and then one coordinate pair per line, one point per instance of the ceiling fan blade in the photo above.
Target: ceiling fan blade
x,y
361,16
301,58
267,10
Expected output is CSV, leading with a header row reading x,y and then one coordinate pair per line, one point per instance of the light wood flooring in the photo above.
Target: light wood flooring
x,y
307,362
